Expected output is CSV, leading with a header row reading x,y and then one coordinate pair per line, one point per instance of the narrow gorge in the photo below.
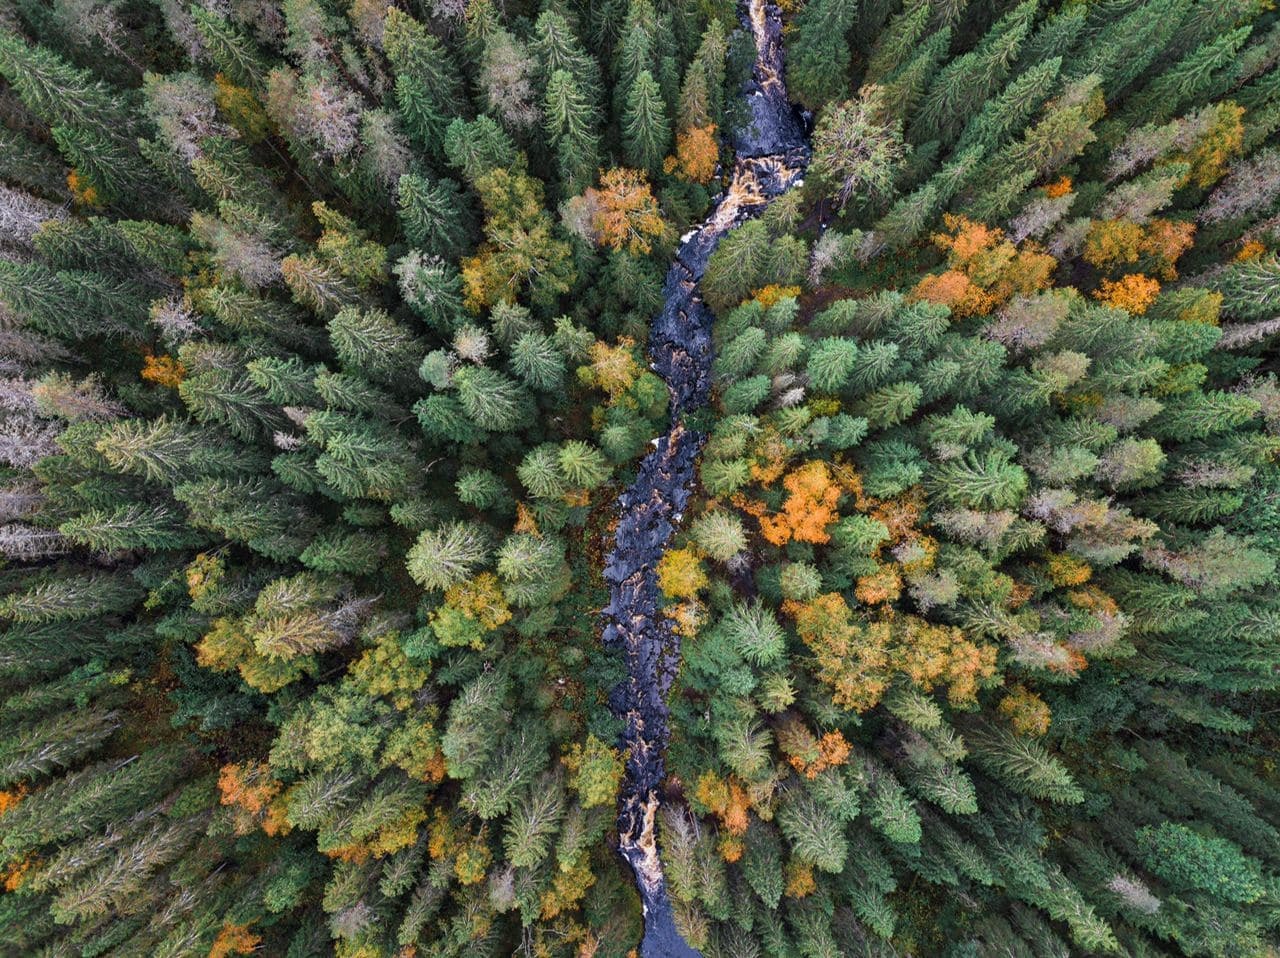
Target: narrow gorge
x,y
771,154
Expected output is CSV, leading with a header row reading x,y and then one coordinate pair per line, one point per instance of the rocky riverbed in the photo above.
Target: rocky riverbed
x,y
771,153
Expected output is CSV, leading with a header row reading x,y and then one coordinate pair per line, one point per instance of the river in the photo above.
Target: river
x,y
771,153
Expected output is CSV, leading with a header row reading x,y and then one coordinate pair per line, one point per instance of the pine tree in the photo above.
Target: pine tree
x,y
910,216
814,834
1248,287
906,86
375,344
428,89
645,128
818,66
830,363
557,48
966,83
104,165
1125,47
433,215
895,44
132,526
36,749
702,93
61,94
236,55
1183,83
636,53
568,119
856,152
1006,115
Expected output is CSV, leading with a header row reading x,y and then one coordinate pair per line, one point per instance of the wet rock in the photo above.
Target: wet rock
x,y
776,126
772,156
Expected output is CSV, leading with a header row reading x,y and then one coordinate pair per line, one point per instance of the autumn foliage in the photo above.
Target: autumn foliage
x,y
398,520
82,189
727,799
163,371
234,940
767,296
858,657
1133,293
1212,151
11,798
594,771
253,795
1059,187
1025,711
464,847
613,369
811,754
680,574
697,154
812,495
624,213
1112,245
984,270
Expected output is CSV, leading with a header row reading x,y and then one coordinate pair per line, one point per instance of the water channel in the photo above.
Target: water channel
x,y
771,153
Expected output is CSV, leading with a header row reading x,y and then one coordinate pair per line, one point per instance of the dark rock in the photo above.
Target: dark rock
x,y
772,156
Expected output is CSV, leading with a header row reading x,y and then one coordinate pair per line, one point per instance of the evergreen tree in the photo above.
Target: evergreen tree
x,y
428,89
433,215
645,128
636,53
817,69
569,120
964,85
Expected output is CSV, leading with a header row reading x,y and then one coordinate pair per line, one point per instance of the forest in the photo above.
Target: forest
x,y
639,478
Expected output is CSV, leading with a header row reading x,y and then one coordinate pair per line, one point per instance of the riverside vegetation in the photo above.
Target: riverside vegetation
x,y
323,327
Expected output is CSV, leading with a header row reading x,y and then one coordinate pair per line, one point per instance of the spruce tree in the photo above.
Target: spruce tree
x,y
645,128
818,67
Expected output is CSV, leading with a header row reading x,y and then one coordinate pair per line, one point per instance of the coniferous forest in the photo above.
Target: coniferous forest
x,y
571,478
